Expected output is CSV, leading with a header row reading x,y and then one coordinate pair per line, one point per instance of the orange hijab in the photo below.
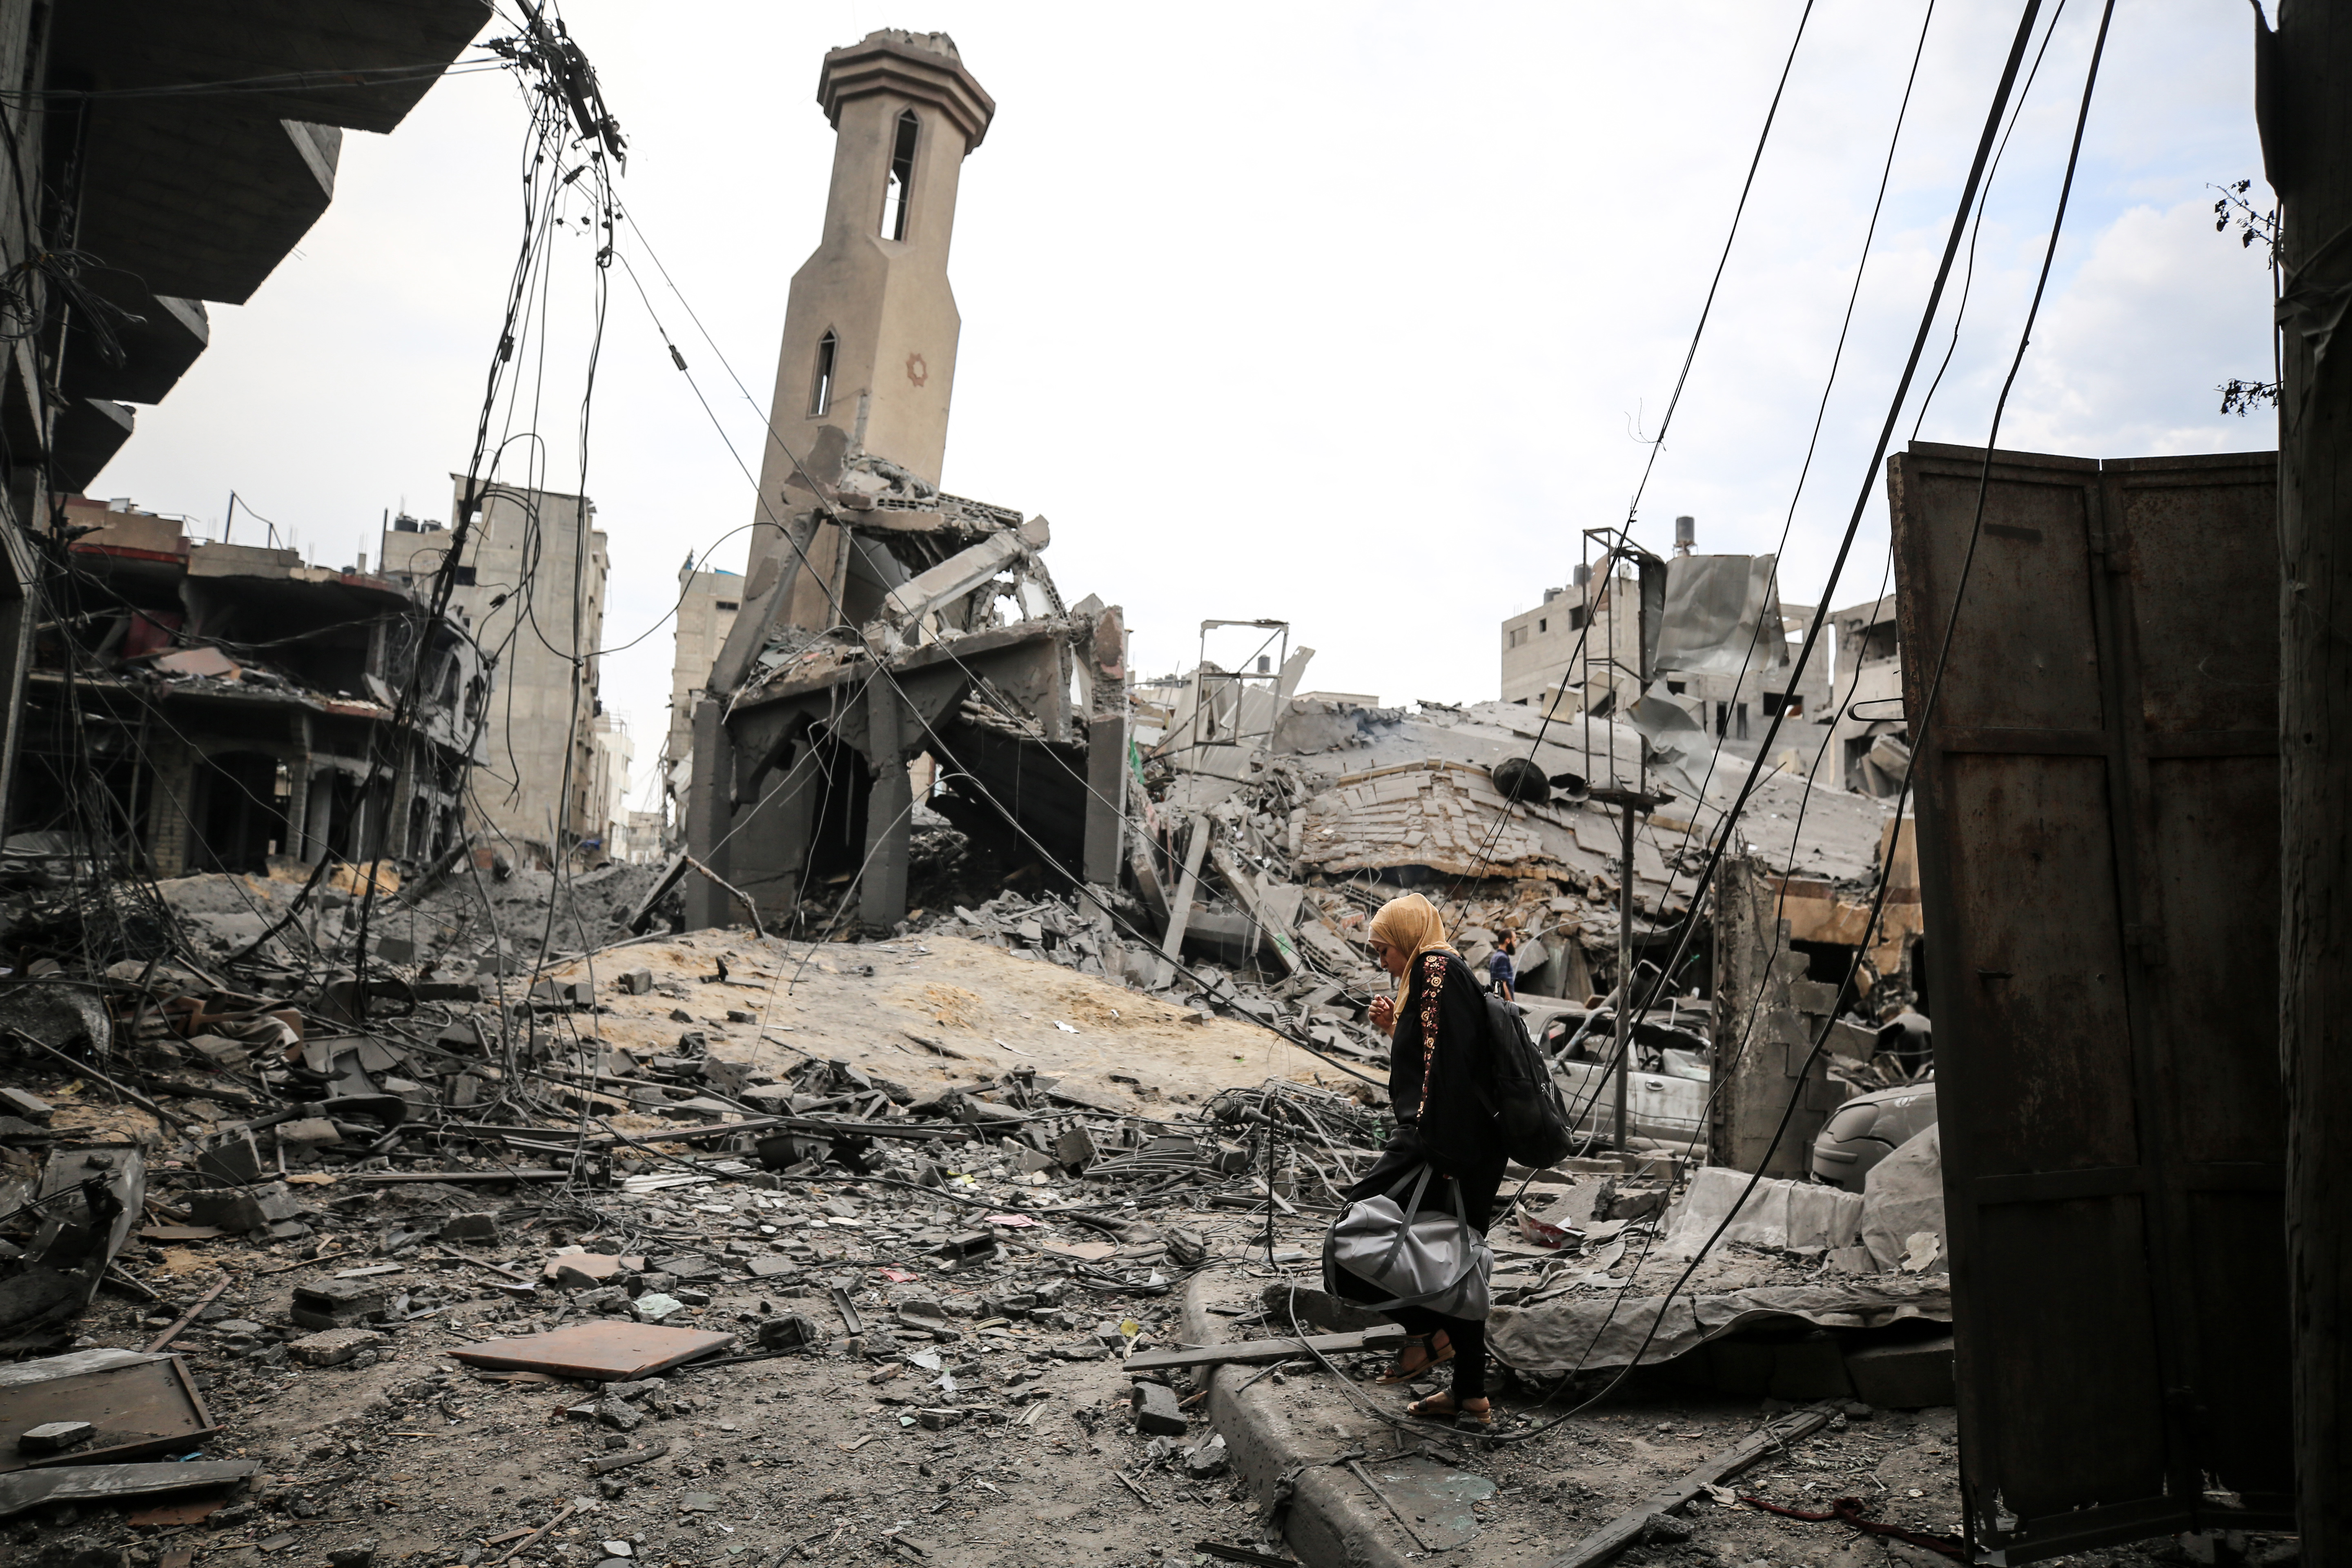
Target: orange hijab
x,y
1413,926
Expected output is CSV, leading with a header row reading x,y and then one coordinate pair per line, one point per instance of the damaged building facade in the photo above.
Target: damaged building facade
x,y
175,702
531,592
882,619
220,707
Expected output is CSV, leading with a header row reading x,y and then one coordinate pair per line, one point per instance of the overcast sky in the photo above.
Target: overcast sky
x,y
1352,315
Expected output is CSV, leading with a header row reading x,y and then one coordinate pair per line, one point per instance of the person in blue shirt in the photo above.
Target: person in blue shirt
x,y
1502,973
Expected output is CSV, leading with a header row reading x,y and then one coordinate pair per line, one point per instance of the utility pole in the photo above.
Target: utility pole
x,y
1630,803
2305,113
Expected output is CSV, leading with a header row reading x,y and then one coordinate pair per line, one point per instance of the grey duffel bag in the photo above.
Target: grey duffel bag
x,y
1422,1258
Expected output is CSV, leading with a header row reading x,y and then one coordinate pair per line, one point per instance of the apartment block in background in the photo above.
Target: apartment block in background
x,y
530,589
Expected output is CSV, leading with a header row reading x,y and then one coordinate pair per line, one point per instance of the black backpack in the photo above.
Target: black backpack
x,y
1530,1118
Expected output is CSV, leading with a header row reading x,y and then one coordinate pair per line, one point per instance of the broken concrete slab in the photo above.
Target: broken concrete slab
x,y
333,1347
1904,1196
1157,1413
244,1208
26,1104
63,1017
54,1437
1775,1212
103,1483
586,1270
336,1303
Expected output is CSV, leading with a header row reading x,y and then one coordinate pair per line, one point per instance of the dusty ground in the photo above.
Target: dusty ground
x,y
984,1010
1027,1455
820,1455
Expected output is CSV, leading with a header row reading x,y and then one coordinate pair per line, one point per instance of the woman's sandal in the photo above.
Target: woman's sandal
x,y
1442,1407
1432,1357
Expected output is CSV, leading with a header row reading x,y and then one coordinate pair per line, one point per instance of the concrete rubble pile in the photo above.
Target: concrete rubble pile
x,y
668,1293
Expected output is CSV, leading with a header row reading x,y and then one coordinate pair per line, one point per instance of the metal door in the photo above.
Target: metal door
x,y
2097,798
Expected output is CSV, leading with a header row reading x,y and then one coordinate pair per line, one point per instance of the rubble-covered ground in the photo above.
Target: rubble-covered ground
x,y
937,1189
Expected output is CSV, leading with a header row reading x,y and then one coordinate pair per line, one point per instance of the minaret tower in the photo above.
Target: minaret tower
x,y
870,325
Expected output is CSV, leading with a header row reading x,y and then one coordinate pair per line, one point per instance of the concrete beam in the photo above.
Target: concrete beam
x,y
709,816
889,815
1106,794
953,578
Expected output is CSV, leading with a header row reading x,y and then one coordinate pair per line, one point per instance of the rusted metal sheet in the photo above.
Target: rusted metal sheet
x,y
605,1351
141,1408
2097,798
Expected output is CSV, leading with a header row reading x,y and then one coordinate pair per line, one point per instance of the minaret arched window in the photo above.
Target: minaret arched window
x,y
821,385
896,193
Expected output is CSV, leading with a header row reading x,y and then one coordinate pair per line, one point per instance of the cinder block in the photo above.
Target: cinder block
x,y
336,1303
1904,1376
1156,1412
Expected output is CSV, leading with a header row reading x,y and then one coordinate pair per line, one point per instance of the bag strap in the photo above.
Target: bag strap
x,y
1412,1207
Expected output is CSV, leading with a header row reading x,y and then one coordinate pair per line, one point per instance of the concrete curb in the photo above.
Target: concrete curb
x,y
1332,1522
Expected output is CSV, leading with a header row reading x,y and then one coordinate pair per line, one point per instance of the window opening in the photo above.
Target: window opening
x,y
1739,722
820,387
896,191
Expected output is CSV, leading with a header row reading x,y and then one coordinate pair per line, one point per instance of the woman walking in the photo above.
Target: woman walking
x,y
1437,1065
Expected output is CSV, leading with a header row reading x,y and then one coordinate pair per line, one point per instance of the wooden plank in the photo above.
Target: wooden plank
x,y
1627,1528
519,1174
1252,1353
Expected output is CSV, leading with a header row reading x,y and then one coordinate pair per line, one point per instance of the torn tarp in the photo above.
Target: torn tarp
x,y
1595,1333
1674,746
1722,617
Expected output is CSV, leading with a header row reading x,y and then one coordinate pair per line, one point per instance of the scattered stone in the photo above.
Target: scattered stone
x,y
30,1106
482,1227
337,1303
1157,1413
333,1347
790,1331
54,1437
1207,1461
